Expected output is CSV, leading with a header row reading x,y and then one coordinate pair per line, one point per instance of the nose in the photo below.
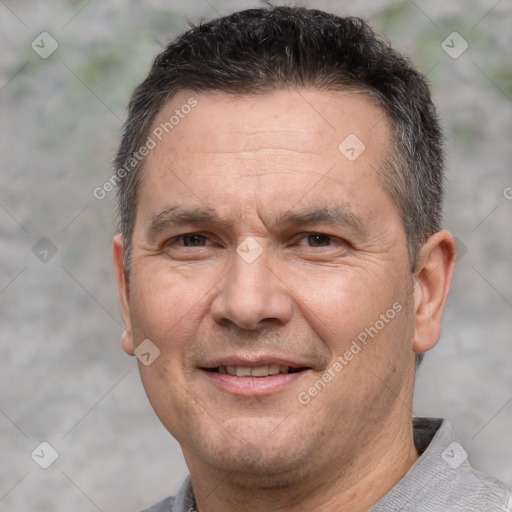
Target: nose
x,y
252,294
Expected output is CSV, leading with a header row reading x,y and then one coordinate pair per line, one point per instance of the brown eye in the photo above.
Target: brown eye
x,y
316,240
188,240
319,240
193,240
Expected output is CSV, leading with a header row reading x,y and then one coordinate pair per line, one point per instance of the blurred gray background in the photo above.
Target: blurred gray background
x,y
64,377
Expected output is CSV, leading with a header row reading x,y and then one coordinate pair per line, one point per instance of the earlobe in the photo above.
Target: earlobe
x,y
124,293
432,279
127,342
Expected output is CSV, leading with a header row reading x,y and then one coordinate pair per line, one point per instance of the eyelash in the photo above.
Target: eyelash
x,y
306,235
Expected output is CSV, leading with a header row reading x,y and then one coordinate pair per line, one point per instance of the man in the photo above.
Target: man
x,y
282,269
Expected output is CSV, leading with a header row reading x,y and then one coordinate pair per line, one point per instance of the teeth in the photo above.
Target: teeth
x,y
274,369
259,371
243,371
256,371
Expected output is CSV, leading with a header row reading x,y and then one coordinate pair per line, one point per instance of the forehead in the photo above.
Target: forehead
x,y
230,151
300,117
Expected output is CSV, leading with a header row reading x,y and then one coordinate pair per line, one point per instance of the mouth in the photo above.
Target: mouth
x,y
250,377
255,371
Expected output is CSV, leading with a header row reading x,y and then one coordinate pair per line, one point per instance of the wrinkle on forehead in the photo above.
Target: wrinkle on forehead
x,y
279,119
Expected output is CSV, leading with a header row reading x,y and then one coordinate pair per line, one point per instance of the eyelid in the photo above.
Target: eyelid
x,y
193,233
298,237
332,238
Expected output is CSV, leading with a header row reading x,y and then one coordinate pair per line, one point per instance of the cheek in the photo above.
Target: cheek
x,y
164,311
162,298
344,302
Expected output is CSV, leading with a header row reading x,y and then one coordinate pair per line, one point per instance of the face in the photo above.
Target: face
x,y
270,269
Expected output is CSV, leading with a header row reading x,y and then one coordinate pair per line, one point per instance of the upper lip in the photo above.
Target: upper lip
x,y
252,361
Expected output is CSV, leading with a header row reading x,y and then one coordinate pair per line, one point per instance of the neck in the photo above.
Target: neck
x,y
356,484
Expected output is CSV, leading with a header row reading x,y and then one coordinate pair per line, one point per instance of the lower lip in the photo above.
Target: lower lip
x,y
253,386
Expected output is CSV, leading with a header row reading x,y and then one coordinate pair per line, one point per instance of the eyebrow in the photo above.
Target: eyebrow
x,y
175,215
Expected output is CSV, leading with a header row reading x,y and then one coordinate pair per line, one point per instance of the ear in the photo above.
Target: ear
x,y
123,286
432,280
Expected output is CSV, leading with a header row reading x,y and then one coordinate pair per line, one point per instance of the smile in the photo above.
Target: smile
x,y
258,380
255,371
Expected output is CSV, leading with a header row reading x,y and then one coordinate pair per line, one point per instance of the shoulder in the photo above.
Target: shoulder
x,y
184,500
442,478
473,491
165,505
456,483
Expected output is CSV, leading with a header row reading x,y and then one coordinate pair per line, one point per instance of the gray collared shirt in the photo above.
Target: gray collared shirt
x,y
442,480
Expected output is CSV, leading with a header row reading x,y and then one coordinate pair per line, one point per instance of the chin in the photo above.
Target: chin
x,y
253,469
270,481
259,454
